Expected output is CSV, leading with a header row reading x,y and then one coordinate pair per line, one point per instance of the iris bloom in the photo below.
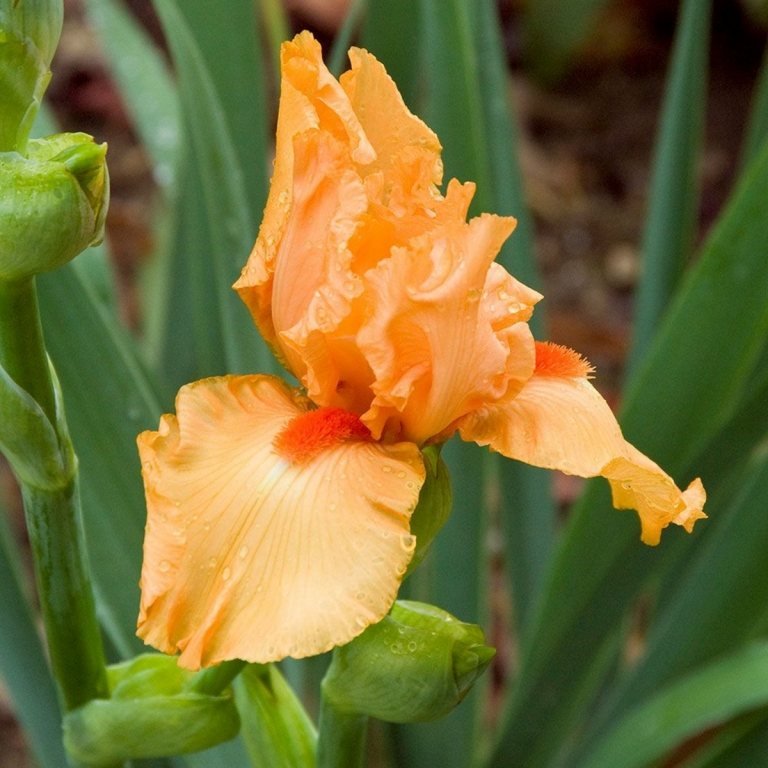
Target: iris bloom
x,y
279,518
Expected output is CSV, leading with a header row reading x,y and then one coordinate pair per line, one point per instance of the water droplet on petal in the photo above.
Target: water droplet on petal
x,y
243,553
226,573
165,566
408,542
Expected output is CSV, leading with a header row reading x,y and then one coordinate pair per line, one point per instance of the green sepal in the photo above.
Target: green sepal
x,y
415,665
29,34
29,441
53,205
151,713
277,731
434,507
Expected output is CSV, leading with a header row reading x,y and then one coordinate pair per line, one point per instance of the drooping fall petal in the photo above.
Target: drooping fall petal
x,y
558,420
256,550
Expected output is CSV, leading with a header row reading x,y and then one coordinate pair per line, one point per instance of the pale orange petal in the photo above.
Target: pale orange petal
x,y
448,329
407,150
310,99
254,556
562,422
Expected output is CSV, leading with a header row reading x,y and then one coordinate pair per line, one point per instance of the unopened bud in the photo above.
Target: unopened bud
x,y
416,664
151,713
29,34
53,203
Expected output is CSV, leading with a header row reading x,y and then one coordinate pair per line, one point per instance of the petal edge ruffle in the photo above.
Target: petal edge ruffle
x,y
250,556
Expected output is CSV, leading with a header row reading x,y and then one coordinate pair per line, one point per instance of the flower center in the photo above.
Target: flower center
x,y
307,434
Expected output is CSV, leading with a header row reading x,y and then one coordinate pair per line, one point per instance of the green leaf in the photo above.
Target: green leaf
x,y
142,76
23,666
389,28
109,400
728,687
276,730
553,30
757,127
691,383
673,197
222,180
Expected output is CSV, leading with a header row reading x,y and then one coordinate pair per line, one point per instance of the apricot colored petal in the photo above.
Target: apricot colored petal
x,y
407,150
310,99
561,422
448,330
250,556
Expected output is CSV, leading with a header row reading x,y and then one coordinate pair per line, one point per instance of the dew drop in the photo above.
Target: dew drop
x,y
165,566
212,562
408,542
226,573
386,468
412,646
243,553
401,474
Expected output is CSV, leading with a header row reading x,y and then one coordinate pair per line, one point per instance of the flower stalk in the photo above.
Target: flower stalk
x,y
341,736
53,512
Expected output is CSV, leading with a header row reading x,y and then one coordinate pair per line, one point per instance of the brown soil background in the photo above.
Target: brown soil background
x,y
586,157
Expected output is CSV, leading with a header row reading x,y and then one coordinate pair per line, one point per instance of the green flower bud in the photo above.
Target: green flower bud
x,y
416,664
151,713
434,505
29,34
52,203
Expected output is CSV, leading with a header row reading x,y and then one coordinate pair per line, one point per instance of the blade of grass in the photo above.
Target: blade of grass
x,y
23,665
691,382
728,687
673,197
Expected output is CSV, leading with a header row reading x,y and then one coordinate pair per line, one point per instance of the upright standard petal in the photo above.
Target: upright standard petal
x,y
558,420
448,327
258,549
310,99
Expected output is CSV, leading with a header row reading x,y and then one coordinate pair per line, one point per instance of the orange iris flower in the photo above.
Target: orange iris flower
x,y
278,520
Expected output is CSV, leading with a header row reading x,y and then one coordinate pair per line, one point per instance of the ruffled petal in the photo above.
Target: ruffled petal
x,y
258,555
310,99
558,420
407,163
448,330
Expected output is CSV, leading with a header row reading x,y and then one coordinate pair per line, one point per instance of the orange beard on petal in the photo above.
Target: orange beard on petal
x,y
309,433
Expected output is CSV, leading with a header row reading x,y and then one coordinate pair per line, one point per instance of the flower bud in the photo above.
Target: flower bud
x,y
434,505
151,713
52,203
416,664
29,34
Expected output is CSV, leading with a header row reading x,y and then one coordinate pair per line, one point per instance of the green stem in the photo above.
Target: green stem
x,y
214,680
341,737
22,351
74,642
53,517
